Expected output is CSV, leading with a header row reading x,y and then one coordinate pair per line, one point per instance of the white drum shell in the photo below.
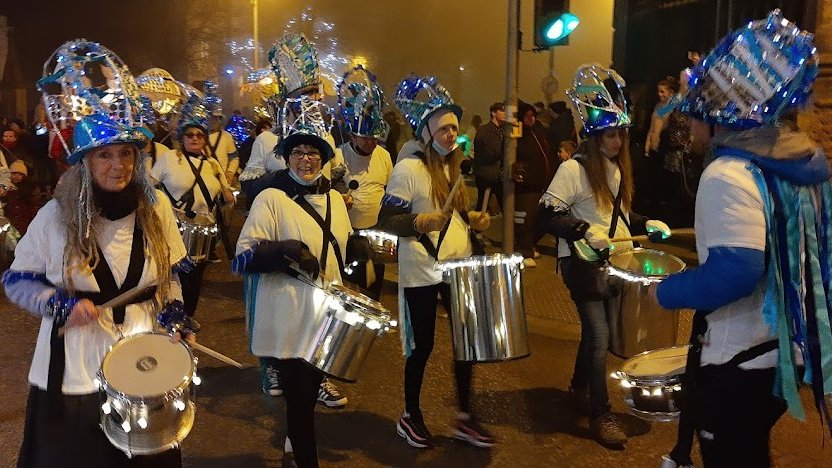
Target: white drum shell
x,y
488,312
156,422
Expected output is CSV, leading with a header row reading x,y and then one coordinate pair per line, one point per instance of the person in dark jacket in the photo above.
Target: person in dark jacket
x,y
488,154
563,126
22,201
536,165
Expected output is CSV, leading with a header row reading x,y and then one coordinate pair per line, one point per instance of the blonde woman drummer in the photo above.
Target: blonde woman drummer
x,y
107,231
194,183
297,231
412,210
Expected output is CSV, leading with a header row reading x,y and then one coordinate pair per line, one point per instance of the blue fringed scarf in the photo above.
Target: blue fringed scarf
x,y
798,299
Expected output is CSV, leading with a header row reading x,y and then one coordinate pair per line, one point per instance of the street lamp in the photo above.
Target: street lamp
x,y
254,8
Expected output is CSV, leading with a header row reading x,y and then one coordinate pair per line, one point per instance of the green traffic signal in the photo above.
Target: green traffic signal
x,y
561,27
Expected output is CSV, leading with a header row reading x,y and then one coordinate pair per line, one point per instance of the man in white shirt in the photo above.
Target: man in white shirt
x,y
221,146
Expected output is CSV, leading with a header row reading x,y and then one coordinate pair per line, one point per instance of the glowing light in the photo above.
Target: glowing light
x,y
106,408
142,422
126,426
197,380
657,392
462,68
179,404
229,71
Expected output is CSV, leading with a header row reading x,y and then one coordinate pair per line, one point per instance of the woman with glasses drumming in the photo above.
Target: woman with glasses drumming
x,y
194,183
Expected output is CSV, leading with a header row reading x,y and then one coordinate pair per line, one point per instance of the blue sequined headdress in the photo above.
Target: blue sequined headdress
x,y
295,62
194,112
88,87
419,97
301,121
597,94
360,103
754,74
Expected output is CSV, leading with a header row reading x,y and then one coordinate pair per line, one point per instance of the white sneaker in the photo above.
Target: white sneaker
x,y
270,380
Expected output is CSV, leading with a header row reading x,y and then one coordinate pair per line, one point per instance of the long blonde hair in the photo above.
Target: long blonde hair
x,y
79,214
597,173
439,186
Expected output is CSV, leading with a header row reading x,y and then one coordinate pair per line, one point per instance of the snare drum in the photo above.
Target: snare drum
x,y
384,245
651,380
146,389
489,315
198,234
348,324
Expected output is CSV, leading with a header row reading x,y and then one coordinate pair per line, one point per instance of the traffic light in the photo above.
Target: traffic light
x,y
553,23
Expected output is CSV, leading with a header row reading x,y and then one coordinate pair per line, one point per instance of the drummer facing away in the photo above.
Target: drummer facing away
x,y
106,231
412,209
297,230
589,201
764,238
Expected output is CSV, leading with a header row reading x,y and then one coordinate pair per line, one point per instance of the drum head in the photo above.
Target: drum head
x,y
657,363
147,365
350,299
648,263
200,219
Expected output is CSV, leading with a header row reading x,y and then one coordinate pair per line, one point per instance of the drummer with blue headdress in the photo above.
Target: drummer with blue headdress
x,y
764,239
368,166
297,230
107,232
413,208
195,183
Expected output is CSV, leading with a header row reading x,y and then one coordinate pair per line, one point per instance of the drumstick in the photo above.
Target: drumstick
x,y
464,167
646,238
353,185
216,355
120,300
485,200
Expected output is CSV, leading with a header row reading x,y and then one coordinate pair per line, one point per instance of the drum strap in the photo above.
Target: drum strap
x,y
214,147
206,194
326,230
616,207
433,250
108,290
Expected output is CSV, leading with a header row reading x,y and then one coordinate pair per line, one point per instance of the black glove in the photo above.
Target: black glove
x,y
359,249
272,256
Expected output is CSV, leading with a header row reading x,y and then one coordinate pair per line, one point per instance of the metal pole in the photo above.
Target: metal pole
x,y
510,142
254,6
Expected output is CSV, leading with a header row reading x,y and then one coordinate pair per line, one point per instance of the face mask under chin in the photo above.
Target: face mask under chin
x,y
441,149
301,181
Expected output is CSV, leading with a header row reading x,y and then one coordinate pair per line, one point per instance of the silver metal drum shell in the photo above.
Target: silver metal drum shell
x,y
488,317
338,348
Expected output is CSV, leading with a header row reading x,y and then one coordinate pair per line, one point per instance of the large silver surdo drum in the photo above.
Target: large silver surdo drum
x,y
347,326
488,312
146,387
198,234
639,324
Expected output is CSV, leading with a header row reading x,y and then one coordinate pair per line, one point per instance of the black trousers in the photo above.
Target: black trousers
x,y
736,411
300,382
191,286
73,438
527,232
422,304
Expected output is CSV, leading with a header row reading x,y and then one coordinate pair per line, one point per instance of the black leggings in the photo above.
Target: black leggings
x,y
300,382
421,302
191,285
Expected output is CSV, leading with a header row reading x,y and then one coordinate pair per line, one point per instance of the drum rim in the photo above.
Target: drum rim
x,y
342,291
173,392
641,275
515,259
654,377
181,217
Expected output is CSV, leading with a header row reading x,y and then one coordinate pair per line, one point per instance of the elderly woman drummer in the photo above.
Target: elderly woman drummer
x,y
107,231
299,226
194,183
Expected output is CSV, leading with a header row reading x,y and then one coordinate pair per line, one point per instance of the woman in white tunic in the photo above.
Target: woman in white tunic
x,y
282,230
194,183
105,232
412,209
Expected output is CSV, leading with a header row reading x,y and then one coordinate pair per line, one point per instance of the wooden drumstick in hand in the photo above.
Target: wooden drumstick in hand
x,y
464,168
486,197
